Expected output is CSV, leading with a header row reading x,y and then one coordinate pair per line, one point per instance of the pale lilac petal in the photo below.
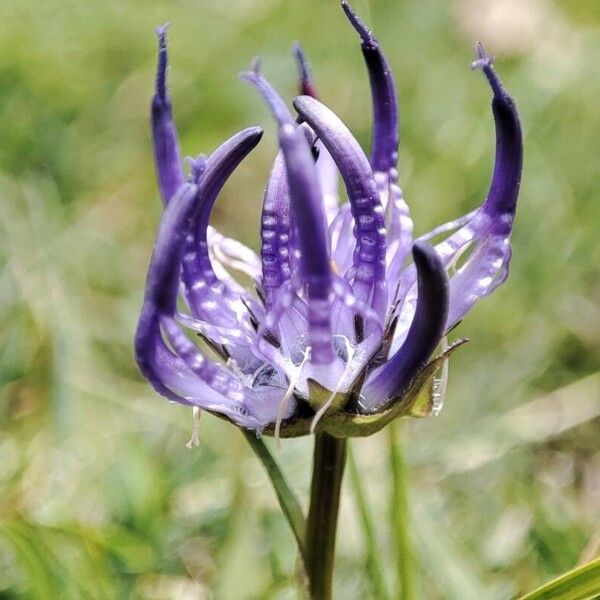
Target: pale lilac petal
x,y
215,388
233,254
327,173
399,227
342,239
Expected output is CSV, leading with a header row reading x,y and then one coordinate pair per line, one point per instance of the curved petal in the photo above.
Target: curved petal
x,y
425,333
386,135
309,220
369,231
485,233
209,298
277,233
501,202
485,269
167,157
384,148
181,373
308,215
160,296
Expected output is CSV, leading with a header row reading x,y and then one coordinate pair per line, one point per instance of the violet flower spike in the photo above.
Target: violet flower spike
x,y
337,334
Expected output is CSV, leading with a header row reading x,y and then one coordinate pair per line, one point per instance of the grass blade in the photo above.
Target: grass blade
x,y
286,497
582,583
374,569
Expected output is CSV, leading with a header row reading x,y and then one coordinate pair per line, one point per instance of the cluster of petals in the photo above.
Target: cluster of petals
x,y
346,308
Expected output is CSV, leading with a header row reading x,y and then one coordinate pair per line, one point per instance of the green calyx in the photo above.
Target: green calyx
x,y
419,400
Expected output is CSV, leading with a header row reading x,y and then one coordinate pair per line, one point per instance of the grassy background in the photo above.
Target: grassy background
x,y
99,498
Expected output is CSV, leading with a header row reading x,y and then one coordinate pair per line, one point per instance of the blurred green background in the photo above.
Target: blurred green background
x,y
99,497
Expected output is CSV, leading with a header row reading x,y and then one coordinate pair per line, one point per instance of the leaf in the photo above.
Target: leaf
x,y
287,499
582,583
41,579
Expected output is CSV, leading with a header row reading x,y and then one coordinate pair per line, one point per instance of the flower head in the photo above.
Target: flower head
x,y
348,309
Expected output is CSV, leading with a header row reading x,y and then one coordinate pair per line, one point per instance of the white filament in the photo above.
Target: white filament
x,y
440,383
288,394
350,352
194,440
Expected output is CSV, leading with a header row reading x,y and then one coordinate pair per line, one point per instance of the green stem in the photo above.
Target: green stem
x,y
400,516
287,499
328,469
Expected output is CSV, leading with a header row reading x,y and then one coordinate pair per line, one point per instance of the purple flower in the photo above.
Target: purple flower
x,y
348,309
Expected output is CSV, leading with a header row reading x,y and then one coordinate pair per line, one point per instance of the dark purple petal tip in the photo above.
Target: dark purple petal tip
x,y
367,37
508,167
306,85
167,157
424,334
386,136
163,60
485,62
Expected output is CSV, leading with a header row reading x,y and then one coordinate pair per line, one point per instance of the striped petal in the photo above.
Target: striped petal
x,y
367,211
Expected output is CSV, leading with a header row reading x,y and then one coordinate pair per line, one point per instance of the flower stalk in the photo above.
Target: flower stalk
x,y
329,460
